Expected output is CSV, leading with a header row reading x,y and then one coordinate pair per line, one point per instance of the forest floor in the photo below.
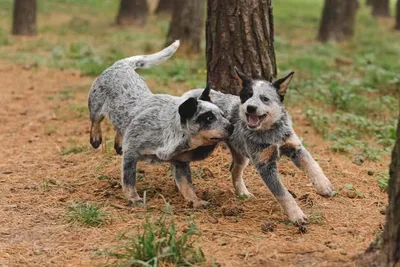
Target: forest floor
x,y
47,165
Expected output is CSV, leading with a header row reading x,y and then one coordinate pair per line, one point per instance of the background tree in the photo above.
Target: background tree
x,y
369,2
338,19
24,17
380,8
397,26
187,24
164,6
385,250
240,34
132,12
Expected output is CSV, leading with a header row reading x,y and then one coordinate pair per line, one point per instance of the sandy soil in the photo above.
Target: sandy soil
x,y
37,122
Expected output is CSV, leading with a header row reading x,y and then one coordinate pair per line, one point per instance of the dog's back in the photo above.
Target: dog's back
x,y
117,90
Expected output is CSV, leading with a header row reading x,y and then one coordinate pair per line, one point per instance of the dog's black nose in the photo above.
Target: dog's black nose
x,y
251,109
229,129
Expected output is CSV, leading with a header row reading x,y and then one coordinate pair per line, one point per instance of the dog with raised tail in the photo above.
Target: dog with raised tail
x,y
262,133
155,127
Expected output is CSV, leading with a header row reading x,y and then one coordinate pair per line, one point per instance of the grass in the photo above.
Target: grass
x,y
160,243
74,150
382,179
86,214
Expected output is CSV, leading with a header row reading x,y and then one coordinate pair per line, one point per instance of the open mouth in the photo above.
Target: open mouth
x,y
253,121
216,139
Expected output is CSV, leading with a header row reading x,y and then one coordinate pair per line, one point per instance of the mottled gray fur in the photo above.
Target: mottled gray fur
x,y
155,127
262,132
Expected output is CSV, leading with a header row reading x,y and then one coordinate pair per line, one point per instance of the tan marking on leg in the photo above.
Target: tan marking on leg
x,y
293,211
188,193
95,134
118,139
268,154
131,193
237,178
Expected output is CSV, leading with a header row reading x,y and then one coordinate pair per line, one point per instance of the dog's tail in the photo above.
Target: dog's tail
x,y
148,61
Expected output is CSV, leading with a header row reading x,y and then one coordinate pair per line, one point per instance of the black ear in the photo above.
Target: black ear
x,y
187,109
282,85
206,93
245,79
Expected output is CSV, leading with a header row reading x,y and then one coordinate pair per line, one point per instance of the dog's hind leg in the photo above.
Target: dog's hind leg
x,y
183,180
129,178
293,149
266,163
95,132
239,163
118,143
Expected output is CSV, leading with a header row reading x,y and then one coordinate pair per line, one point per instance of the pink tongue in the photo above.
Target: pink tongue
x,y
253,120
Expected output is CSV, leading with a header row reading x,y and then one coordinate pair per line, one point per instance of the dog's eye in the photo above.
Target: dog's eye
x,y
264,98
210,118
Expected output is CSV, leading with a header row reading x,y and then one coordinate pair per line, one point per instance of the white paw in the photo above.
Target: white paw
x,y
324,187
297,216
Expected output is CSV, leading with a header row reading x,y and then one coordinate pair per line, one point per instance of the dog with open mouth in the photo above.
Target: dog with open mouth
x,y
155,127
262,133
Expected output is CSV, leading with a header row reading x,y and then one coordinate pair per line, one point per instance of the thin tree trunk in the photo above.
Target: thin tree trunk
x,y
338,19
380,8
24,18
239,33
385,250
164,6
397,26
187,24
132,12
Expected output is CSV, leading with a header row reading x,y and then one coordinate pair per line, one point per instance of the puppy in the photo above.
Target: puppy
x,y
262,133
154,127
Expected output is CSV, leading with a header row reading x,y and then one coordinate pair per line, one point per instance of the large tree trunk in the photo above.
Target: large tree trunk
x,y
397,26
187,24
338,18
132,12
24,21
370,2
385,251
239,33
380,8
164,6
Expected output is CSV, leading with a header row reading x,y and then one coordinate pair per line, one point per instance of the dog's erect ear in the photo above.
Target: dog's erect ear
x,y
282,85
188,108
245,79
205,96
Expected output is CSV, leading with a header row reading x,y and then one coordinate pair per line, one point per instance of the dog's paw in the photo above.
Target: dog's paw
x,y
296,215
201,204
118,149
95,142
324,187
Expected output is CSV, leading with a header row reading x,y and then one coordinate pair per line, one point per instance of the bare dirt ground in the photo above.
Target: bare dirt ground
x,y
39,118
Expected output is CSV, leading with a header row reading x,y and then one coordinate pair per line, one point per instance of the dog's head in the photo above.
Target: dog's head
x,y
261,101
204,120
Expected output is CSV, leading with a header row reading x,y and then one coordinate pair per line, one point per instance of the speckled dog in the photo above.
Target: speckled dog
x,y
262,132
154,127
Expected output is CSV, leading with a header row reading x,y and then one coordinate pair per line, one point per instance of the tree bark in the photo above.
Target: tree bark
x,y
397,26
370,2
164,6
385,250
239,34
380,8
187,24
338,19
132,12
24,17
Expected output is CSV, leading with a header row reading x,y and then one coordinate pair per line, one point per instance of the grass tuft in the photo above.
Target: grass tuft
x,y
87,214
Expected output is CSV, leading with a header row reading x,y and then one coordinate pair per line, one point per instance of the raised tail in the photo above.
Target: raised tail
x,y
148,61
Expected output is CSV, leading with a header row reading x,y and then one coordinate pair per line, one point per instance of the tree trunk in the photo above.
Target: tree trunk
x,y
132,12
164,6
187,24
380,8
338,19
397,26
24,21
385,250
239,34
370,2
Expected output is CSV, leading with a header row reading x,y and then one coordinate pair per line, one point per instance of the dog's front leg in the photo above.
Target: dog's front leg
x,y
293,149
265,162
129,178
118,143
239,163
183,179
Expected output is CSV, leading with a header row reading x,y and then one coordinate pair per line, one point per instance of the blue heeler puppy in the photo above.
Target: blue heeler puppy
x,y
155,127
262,133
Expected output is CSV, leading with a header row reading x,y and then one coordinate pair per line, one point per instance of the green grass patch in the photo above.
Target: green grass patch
x,y
74,150
86,214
